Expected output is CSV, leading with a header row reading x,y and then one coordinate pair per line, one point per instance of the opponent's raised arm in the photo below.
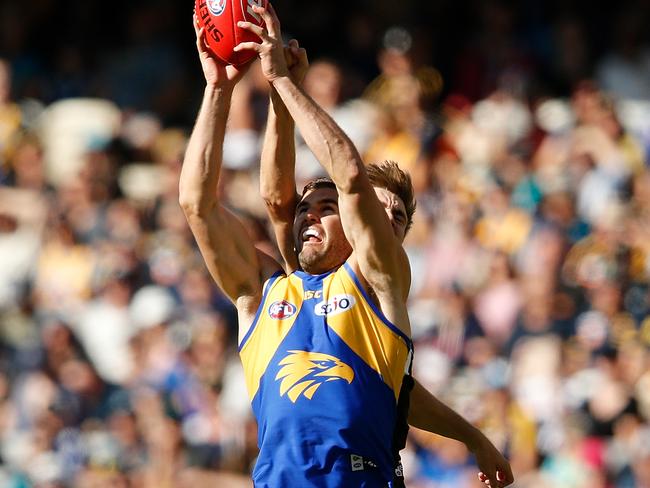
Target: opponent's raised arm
x,y
277,168
378,251
226,247
430,414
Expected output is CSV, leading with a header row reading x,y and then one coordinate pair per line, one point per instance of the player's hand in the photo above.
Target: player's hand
x,y
216,72
297,62
494,468
271,49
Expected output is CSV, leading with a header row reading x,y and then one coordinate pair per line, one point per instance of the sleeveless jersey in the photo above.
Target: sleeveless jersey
x,y
324,369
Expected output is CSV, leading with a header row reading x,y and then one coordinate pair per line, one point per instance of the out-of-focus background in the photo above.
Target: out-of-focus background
x,y
526,128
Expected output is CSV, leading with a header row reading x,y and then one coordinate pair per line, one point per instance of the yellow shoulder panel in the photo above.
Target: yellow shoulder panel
x,y
370,336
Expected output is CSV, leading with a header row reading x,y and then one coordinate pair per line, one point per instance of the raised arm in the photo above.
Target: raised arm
x,y
378,252
430,414
234,263
277,168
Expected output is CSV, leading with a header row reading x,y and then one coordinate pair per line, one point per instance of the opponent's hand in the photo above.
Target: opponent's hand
x,y
216,72
494,468
297,62
271,49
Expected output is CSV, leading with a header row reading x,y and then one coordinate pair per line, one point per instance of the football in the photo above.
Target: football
x,y
220,17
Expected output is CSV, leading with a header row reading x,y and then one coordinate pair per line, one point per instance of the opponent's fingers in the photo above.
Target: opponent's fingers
x,y
490,480
293,44
289,56
271,20
242,46
505,476
301,54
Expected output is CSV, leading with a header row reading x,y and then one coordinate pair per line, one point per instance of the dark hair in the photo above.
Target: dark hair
x,y
315,184
389,176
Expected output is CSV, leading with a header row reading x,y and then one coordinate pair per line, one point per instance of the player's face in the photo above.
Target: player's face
x,y
318,234
396,211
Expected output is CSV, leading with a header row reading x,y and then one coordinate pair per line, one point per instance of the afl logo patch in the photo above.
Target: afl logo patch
x,y
216,7
281,310
335,305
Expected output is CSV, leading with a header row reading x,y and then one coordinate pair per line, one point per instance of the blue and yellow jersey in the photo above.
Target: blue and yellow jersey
x,y
323,369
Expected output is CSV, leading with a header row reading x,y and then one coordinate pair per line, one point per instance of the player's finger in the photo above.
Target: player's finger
x,y
200,36
492,480
271,9
293,48
196,25
270,20
302,56
243,46
505,476
255,29
299,53
483,478
288,56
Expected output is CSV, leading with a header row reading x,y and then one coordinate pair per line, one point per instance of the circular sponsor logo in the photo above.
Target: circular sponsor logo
x,y
281,310
216,7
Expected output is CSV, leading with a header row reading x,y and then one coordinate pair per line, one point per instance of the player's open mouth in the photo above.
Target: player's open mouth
x,y
311,236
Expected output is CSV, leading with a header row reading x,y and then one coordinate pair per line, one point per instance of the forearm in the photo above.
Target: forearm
x,y
203,157
331,146
430,414
277,177
277,168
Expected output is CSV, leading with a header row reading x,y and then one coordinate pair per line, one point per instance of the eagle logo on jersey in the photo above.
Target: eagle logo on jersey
x,y
304,372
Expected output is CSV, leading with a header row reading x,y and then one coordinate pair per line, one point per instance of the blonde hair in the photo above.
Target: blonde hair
x,y
389,176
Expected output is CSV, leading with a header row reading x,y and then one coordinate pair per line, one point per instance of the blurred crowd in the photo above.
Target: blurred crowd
x,y
530,253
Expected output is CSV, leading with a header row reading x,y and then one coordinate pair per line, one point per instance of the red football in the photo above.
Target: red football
x,y
220,17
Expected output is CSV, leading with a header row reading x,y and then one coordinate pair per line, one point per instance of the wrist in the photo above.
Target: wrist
x,y
214,90
279,81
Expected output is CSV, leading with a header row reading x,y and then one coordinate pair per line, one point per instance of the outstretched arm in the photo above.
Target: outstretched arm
x,y
277,168
230,256
430,414
379,254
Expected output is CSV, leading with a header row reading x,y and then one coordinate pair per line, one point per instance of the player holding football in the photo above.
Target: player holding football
x,y
324,360
277,187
